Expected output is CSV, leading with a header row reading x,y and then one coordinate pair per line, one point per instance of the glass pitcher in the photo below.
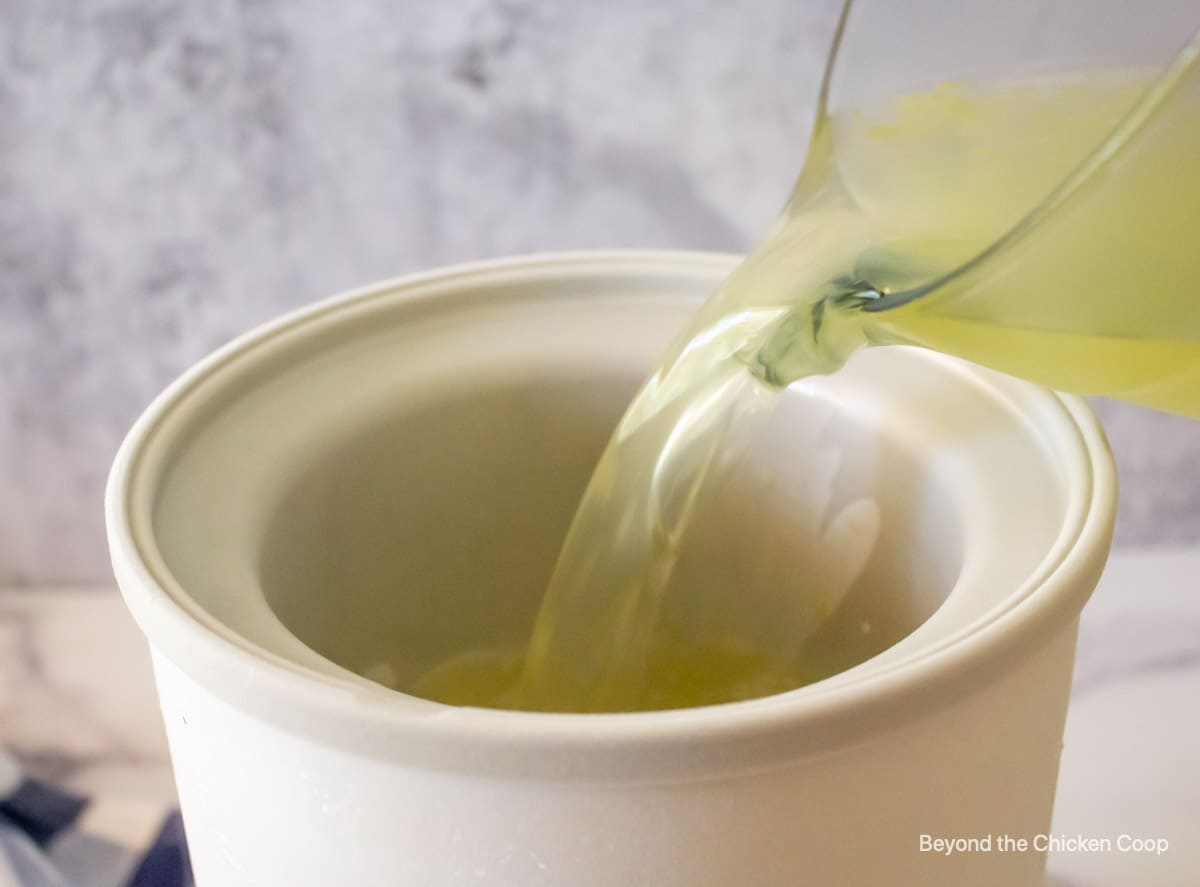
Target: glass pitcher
x,y
1031,176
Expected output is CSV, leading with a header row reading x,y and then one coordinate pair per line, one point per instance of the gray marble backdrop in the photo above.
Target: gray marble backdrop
x,y
172,173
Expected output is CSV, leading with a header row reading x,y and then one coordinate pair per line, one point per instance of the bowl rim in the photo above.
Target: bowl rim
x,y
366,718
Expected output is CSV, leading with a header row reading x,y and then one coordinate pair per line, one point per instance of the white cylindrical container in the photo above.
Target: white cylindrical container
x,y
393,470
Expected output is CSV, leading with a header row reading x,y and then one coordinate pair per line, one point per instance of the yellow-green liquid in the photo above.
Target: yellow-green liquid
x,y
685,674
1091,289
1097,292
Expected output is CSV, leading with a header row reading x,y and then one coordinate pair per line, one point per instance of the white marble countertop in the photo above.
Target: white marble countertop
x,y
77,707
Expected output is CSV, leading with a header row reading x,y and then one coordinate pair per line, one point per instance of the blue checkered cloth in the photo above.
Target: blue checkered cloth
x,y
51,838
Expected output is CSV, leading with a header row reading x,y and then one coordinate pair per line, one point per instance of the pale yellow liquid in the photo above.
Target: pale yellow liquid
x,y
1096,292
1098,298
686,674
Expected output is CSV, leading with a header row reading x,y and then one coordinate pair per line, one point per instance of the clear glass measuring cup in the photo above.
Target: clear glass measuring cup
x,y
1030,176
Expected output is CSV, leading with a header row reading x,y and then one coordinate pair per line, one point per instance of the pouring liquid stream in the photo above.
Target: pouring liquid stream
x,y
1090,292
